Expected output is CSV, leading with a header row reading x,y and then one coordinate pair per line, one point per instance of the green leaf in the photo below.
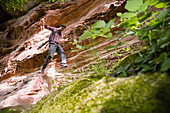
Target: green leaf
x,y
146,68
128,15
124,73
161,58
79,47
163,14
119,31
127,66
96,30
110,23
139,59
119,44
110,47
165,65
128,49
52,81
133,5
127,34
120,69
105,30
144,6
94,36
166,34
161,5
56,79
99,24
165,44
154,2
124,24
54,87
75,41
119,14
74,51
109,35
132,21
144,17
85,35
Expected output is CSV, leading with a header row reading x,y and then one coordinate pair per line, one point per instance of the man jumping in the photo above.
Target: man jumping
x,y
54,46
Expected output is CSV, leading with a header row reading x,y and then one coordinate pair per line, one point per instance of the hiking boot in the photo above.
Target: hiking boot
x,y
63,65
42,70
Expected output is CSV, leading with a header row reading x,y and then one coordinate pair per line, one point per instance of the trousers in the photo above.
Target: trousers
x,y
52,49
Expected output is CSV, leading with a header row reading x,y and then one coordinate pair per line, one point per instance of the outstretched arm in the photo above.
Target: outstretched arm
x,y
46,21
48,27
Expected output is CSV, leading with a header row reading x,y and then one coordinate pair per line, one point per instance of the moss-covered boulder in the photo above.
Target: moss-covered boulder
x,y
144,93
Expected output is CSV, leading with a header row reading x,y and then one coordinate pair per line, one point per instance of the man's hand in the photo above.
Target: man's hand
x,y
46,20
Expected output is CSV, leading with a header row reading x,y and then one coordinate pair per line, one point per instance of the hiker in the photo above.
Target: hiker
x,y
54,46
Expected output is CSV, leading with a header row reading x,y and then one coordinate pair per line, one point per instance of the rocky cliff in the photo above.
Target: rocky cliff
x,y
24,47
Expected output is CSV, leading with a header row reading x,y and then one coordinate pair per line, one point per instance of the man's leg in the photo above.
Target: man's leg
x,y
52,50
62,54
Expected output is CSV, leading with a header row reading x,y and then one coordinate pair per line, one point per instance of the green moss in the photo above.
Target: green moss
x,y
16,109
57,100
108,95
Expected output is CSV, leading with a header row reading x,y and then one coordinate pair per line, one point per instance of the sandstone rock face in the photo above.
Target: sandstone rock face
x,y
24,47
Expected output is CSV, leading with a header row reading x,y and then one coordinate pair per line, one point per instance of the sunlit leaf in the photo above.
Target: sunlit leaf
x,y
127,15
110,23
96,30
94,36
109,34
132,21
74,51
99,24
105,30
79,47
125,35
161,5
85,35
75,41
128,49
153,2
133,5
119,14
144,6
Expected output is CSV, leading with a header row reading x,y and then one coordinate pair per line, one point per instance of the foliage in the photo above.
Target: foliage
x,y
100,28
151,27
109,95
15,4
57,0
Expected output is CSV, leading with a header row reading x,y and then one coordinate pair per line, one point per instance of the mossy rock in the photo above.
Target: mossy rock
x,y
136,94
127,65
16,109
